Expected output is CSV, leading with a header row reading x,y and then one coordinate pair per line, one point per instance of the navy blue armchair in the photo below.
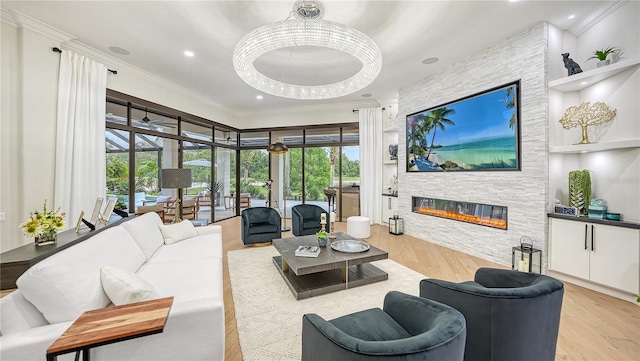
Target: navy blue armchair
x,y
260,225
407,328
306,219
511,315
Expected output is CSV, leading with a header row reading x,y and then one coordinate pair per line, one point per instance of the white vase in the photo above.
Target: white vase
x,y
603,63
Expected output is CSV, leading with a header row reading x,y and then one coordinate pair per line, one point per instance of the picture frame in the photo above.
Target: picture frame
x,y
96,210
79,222
480,132
108,209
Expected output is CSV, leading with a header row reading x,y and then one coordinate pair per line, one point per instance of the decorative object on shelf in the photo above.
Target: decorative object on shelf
x,y
587,115
525,263
580,190
393,151
44,226
571,65
322,238
603,54
307,29
597,209
614,216
569,211
396,225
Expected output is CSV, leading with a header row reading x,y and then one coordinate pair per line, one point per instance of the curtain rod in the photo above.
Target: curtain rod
x,y
57,50
357,110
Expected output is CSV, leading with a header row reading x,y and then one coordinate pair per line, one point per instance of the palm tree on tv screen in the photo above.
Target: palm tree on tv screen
x,y
510,102
438,119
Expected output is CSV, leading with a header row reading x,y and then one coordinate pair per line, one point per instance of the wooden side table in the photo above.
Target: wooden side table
x,y
110,325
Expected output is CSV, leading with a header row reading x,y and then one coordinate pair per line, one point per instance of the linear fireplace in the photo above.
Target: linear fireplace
x,y
476,213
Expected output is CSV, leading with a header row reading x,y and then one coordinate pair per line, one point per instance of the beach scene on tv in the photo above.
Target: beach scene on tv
x,y
476,133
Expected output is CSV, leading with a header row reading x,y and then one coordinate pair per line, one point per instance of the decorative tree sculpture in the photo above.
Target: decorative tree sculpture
x,y
587,115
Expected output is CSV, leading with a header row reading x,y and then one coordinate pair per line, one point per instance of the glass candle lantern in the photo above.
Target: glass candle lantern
x,y
525,258
396,225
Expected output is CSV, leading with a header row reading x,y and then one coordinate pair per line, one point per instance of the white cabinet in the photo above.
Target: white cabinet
x,y
389,207
603,254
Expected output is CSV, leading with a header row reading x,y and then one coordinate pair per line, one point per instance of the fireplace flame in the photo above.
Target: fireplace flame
x,y
496,223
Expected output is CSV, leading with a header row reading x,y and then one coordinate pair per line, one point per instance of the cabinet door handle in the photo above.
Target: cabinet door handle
x,y
593,240
585,236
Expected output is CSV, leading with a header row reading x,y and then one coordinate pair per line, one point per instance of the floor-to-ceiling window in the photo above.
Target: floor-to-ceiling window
x,y
225,173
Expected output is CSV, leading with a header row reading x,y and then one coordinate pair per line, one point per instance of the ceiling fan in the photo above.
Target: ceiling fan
x,y
153,123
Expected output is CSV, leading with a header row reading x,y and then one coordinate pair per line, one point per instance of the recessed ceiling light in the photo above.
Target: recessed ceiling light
x,y
258,97
430,60
572,16
119,50
584,83
189,53
584,151
366,95
512,1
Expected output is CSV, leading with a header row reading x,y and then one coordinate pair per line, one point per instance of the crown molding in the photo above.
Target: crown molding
x,y
312,108
7,18
593,17
125,67
23,21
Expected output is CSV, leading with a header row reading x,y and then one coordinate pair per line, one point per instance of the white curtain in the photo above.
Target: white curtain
x,y
370,120
80,175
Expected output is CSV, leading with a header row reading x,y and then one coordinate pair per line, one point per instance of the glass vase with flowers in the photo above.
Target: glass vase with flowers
x,y
44,225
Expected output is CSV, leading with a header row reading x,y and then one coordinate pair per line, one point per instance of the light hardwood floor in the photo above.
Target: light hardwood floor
x,y
593,326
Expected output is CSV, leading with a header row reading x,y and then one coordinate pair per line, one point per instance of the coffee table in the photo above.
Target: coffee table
x,y
331,271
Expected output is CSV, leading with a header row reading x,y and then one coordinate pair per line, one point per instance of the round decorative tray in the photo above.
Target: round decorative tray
x,y
350,246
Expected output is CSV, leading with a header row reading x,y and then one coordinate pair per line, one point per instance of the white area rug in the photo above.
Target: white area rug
x,y
269,318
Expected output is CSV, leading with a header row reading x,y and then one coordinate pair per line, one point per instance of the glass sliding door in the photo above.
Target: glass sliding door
x,y
350,185
225,175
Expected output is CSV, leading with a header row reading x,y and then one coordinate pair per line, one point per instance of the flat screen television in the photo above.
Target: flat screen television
x,y
480,132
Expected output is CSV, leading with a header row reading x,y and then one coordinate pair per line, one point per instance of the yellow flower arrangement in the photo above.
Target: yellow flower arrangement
x,y
43,224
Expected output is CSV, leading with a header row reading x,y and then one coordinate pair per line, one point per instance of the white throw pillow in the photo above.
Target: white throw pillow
x,y
173,233
163,198
125,287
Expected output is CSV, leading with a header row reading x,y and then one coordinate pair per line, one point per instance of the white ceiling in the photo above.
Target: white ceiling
x,y
156,33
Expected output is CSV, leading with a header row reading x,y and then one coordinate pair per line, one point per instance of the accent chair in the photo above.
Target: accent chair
x,y
305,219
407,328
260,225
510,315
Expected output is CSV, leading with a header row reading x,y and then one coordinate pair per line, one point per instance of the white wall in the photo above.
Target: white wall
x,y
524,57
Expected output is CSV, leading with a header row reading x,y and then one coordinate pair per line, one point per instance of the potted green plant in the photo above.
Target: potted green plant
x,y
603,54
322,238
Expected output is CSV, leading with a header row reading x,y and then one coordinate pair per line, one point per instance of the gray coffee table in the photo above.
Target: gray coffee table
x,y
331,271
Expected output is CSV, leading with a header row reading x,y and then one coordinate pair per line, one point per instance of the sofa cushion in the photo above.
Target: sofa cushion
x,y
202,246
258,228
173,233
18,314
371,325
125,287
311,224
67,283
146,232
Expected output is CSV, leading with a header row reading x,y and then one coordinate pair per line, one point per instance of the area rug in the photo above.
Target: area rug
x,y
268,316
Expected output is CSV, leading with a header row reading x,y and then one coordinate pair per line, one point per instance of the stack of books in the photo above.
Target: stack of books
x,y
308,251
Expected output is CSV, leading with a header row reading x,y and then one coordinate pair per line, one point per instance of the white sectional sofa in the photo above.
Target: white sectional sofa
x,y
55,291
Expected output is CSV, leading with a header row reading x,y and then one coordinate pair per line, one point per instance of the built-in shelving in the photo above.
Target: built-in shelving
x,y
595,147
390,130
588,78
389,162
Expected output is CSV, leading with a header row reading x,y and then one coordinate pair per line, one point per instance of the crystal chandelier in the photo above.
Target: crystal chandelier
x,y
307,29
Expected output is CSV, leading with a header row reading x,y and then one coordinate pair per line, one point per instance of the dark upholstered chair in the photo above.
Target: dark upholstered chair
x,y
260,225
407,328
306,219
510,315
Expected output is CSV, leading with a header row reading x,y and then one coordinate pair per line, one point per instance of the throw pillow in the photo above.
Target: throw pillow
x,y
173,233
163,198
123,287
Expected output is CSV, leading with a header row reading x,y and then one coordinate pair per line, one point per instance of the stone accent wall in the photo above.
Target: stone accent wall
x,y
524,57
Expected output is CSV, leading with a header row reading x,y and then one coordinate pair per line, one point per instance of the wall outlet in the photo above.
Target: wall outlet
x,y
2,217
